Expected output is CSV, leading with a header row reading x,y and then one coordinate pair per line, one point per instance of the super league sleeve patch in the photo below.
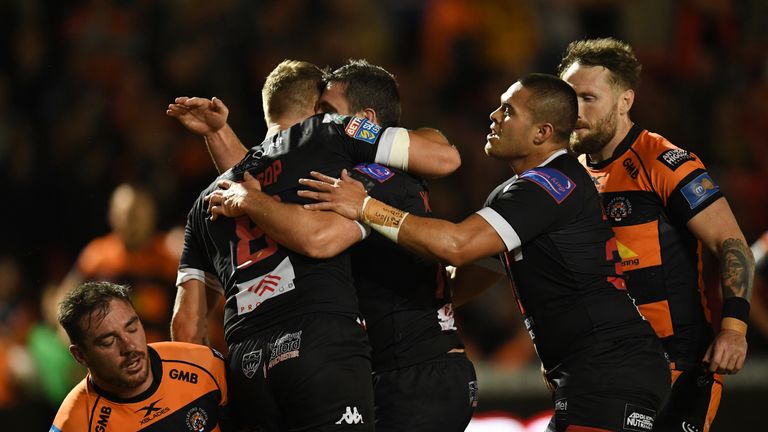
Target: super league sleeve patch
x,y
673,158
362,129
699,189
375,171
557,184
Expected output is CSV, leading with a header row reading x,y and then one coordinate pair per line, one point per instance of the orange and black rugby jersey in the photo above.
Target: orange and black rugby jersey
x,y
650,189
188,393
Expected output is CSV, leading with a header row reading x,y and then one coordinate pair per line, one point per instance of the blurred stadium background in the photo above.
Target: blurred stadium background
x,y
84,86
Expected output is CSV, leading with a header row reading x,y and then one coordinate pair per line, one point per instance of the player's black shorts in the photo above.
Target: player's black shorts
x,y
613,386
438,395
693,402
310,373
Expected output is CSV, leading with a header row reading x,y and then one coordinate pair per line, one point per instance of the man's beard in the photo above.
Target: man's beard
x,y
598,136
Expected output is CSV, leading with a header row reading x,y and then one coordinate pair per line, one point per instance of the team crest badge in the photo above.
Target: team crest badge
x,y
251,362
196,419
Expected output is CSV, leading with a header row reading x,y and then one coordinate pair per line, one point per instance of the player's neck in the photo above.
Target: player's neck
x,y
622,129
533,160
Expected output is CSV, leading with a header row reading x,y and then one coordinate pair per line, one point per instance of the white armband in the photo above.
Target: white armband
x,y
393,148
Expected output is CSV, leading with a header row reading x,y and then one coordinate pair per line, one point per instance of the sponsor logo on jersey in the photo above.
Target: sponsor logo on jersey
x,y
628,256
250,363
473,394
351,416
362,129
101,423
151,412
673,158
557,184
251,294
375,171
196,419
629,165
638,418
699,189
285,347
618,208
182,375
561,405
445,318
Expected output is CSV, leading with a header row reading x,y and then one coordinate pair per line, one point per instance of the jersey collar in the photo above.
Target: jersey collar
x,y
156,369
622,148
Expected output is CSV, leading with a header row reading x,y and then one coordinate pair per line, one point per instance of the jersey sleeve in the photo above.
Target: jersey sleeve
x,y
73,412
195,263
363,140
682,182
530,206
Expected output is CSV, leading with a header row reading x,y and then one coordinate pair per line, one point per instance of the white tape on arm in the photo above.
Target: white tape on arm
x,y
393,148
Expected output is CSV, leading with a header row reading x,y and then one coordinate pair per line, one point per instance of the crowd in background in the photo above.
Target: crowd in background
x,y
84,86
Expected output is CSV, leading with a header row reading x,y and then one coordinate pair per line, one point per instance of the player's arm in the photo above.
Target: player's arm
x,y
472,279
455,244
194,302
208,118
313,234
424,152
717,229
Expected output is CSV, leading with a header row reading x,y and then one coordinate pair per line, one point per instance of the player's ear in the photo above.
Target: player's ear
x,y
626,99
543,133
78,354
370,114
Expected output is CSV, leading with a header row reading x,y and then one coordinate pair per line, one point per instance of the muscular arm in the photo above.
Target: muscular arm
x,y
313,234
455,244
717,229
194,302
430,155
225,148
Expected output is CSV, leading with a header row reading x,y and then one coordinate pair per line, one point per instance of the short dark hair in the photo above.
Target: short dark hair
x,y
552,101
292,88
85,300
369,86
612,54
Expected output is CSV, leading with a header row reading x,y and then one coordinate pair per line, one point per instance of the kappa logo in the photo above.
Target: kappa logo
x,y
196,419
250,363
351,416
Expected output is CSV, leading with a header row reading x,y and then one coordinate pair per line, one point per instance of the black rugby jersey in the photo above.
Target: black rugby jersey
x,y
404,298
262,281
562,259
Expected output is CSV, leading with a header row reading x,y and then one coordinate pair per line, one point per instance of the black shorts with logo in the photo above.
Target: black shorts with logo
x,y
615,386
309,373
438,395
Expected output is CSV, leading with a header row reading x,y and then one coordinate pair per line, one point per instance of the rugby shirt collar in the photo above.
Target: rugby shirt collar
x,y
156,368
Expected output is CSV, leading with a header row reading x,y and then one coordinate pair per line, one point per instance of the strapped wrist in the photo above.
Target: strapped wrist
x,y
382,218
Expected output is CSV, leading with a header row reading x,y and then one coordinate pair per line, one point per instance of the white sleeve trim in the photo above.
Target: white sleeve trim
x,y
210,280
393,148
365,230
502,227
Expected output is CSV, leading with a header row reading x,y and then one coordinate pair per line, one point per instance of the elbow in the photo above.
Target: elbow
x,y
447,162
451,252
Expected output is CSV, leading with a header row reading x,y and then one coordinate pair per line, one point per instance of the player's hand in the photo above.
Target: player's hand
x,y
344,196
199,115
231,199
727,352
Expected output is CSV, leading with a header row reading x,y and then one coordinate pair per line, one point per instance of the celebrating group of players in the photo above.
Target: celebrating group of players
x,y
338,308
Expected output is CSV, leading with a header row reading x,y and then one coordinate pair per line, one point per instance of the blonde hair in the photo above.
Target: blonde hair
x,y
291,89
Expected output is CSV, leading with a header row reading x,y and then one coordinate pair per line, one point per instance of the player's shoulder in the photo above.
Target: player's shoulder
x,y
657,152
558,177
189,352
73,411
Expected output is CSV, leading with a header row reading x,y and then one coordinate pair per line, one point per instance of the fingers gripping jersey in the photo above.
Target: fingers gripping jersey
x,y
188,393
262,281
562,259
650,189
